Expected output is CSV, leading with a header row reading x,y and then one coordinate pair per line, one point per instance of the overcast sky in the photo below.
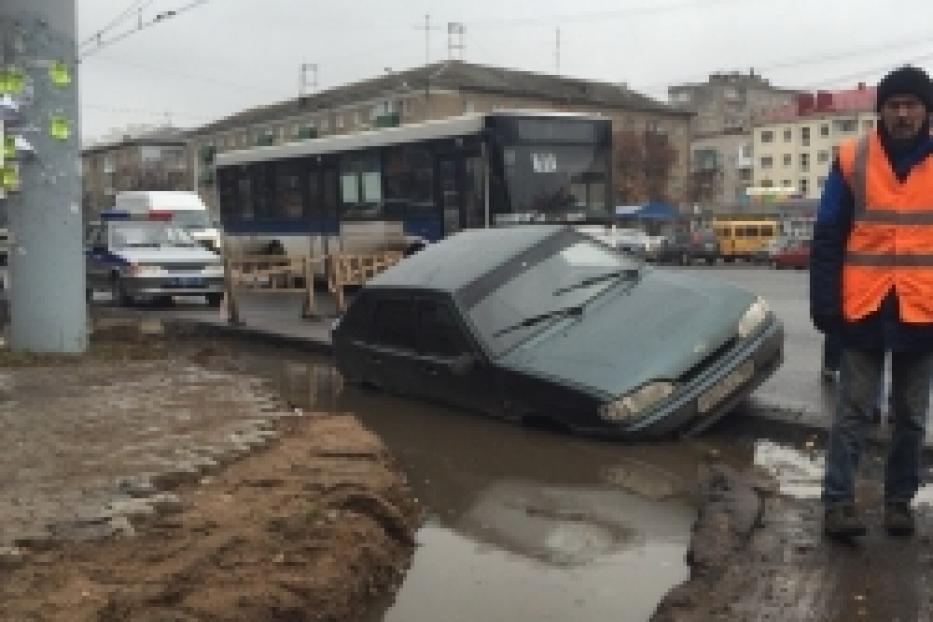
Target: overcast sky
x,y
227,55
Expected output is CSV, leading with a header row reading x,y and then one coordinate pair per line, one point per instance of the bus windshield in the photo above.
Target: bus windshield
x,y
554,183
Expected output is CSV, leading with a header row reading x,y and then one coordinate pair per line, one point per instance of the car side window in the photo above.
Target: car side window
x,y
440,333
394,324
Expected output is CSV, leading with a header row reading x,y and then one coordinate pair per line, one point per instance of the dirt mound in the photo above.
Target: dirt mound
x,y
311,528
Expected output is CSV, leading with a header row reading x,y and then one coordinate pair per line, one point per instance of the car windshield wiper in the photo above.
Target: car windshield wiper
x,y
535,319
630,273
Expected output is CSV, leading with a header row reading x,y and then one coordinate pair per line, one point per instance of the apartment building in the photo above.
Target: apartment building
x,y
150,159
794,145
447,89
725,106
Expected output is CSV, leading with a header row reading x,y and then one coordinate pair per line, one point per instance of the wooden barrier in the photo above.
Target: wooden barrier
x,y
269,273
343,270
278,273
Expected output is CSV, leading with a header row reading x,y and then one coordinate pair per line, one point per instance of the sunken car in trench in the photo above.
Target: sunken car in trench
x,y
543,322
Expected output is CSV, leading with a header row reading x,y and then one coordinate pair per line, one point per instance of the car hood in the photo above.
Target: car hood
x,y
168,255
660,328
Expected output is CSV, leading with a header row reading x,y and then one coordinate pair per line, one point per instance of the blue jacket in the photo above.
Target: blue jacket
x,y
882,329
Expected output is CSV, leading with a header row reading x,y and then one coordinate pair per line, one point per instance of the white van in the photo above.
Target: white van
x,y
183,208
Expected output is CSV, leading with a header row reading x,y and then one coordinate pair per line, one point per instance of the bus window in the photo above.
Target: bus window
x,y
409,181
288,191
361,185
245,206
767,231
314,206
263,186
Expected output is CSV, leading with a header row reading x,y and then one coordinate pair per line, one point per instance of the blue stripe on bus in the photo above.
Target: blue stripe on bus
x,y
427,227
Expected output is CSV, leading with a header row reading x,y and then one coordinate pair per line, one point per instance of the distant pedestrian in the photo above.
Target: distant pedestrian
x,y
871,282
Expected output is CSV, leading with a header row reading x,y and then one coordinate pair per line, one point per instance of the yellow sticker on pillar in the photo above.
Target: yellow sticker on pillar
x,y
9,147
59,74
11,81
9,177
59,127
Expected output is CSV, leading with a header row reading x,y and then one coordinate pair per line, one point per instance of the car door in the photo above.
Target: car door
x,y
388,359
451,368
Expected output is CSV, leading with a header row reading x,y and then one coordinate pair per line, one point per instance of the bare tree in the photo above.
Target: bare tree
x,y
644,161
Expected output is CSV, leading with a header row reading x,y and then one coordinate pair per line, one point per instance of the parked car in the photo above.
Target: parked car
x,y
796,254
633,241
153,259
543,322
686,248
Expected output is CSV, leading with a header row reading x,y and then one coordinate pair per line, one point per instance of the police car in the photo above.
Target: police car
x,y
149,257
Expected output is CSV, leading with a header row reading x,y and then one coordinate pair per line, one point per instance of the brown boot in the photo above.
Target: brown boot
x,y
842,521
899,519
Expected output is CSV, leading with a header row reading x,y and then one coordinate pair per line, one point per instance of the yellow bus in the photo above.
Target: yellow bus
x,y
745,238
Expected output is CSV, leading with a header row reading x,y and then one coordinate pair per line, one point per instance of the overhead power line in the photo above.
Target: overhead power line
x,y
134,7
99,44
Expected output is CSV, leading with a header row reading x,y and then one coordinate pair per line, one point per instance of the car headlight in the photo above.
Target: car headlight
x,y
136,269
638,401
753,317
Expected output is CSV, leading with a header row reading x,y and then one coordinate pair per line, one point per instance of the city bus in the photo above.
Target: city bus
x,y
402,187
745,237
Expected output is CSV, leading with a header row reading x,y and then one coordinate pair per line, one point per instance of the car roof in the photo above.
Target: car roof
x,y
463,258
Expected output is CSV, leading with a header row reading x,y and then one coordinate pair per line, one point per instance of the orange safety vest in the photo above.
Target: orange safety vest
x,y
891,241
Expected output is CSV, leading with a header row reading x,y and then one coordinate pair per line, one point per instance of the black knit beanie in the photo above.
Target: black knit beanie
x,y
906,80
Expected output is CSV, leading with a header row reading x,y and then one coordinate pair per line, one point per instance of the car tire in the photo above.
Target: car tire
x,y
214,300
118,294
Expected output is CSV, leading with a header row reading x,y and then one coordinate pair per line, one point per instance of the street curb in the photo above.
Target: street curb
x,y
185,326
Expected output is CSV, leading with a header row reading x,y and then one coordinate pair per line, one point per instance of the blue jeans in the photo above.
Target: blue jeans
x,y
860,375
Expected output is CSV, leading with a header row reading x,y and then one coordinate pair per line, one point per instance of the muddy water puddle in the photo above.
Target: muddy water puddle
x,y
530,524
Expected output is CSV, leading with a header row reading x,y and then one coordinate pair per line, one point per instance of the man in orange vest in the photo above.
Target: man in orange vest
x,y
871,283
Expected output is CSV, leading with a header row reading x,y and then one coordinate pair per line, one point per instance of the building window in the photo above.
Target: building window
x,y
767,136
822,156
845,125
787,159
746,151
868,124
786,183
824,130
804,186
788,134
766,183
820,182
339,122
804,161
324,124
767,161
805,136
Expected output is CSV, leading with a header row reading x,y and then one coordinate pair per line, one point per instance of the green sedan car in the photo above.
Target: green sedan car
x,y
541,322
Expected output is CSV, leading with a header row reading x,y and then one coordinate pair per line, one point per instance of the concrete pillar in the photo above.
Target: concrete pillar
x,y
48,312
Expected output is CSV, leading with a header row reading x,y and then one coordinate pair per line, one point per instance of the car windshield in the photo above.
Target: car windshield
x,y
147,234
572,274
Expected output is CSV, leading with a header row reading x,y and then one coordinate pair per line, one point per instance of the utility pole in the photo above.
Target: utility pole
x,y
306,85
427,38
455,45
47,305
557,51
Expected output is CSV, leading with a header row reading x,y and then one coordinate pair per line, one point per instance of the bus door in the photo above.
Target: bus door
x,y
449,191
